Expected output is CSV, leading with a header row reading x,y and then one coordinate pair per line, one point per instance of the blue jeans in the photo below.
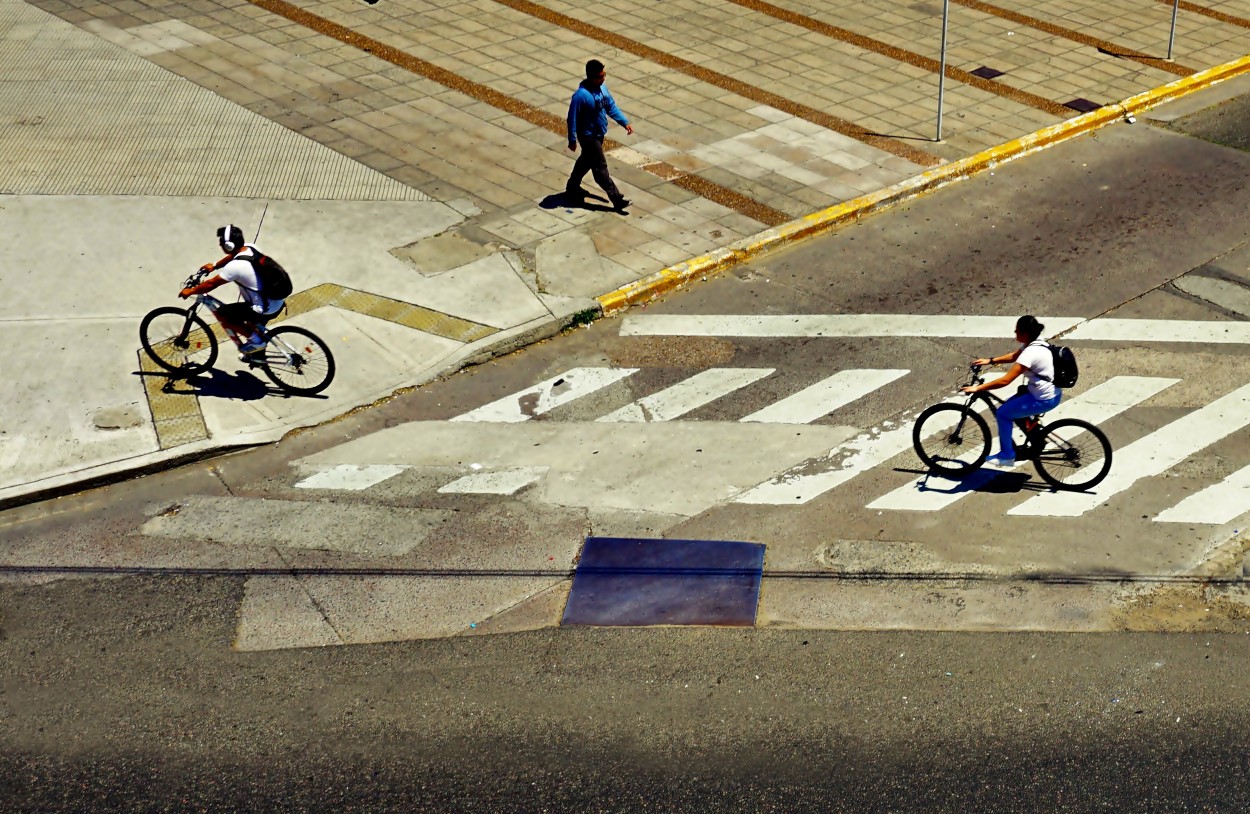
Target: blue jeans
x,y
1020,405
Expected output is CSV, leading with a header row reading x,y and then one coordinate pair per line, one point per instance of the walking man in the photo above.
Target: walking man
x,y
588,124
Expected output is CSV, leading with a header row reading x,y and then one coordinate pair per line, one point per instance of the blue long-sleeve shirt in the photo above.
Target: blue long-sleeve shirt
x,y
589,111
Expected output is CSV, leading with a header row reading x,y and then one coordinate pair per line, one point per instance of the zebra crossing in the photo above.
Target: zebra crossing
x,y
827,469
1150,455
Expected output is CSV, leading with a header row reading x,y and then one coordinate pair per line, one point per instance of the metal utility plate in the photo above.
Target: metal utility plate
x,y
630,581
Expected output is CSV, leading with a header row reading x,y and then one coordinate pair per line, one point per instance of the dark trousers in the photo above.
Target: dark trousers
x,y
592,160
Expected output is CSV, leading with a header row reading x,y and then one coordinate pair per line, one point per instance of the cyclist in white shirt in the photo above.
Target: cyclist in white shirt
x,y
238,318
1036,362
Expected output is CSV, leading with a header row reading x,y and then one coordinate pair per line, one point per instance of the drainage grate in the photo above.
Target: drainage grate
x,y
986,72
1083,105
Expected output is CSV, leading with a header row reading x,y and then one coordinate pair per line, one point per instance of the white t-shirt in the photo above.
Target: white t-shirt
x,y
1038,361
240,272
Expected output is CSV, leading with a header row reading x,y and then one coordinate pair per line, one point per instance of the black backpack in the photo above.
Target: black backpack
x,y
275,283
1065,366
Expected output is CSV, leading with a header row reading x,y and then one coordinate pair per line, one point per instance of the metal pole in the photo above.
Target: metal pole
x,y
1172,36
946,12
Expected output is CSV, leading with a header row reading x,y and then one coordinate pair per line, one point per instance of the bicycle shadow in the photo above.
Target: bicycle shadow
x,y
239,385
988,481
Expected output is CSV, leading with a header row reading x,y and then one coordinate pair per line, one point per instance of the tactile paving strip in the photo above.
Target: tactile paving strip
x,y
175,408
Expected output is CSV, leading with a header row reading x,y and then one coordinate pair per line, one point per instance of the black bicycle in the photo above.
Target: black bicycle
x,y
954,439
181,342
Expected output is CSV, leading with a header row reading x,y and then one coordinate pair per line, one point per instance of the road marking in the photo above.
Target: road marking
x,y
689,394
1163,330
812,478
800,325
349,477
977,327
1096,405
824,397
1219,503
548,395
1151,455
497,482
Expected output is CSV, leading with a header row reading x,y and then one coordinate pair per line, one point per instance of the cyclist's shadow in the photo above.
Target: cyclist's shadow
x,y
241,385
990,481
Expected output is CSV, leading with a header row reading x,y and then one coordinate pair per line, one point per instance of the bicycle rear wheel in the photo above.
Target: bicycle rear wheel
x,y
951,439
298,361
178,340
1072,454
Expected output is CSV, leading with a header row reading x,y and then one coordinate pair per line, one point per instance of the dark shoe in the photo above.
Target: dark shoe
x,y
252,354
622,204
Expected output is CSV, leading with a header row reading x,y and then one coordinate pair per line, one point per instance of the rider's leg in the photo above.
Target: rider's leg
x,y
1018,406
233,319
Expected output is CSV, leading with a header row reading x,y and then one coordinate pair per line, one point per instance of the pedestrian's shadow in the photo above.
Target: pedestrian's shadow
x,y
563,200
241,385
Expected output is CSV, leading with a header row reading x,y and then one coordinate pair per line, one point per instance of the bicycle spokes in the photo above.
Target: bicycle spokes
x,y
1073,454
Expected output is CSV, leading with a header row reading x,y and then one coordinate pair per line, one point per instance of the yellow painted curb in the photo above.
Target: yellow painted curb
x,y
648,288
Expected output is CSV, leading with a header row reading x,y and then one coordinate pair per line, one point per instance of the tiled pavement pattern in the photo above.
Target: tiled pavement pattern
x,y
95,120
439,139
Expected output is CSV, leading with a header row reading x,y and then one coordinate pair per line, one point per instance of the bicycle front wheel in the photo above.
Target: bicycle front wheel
x,y
1072,454
951,439
298,361
178,340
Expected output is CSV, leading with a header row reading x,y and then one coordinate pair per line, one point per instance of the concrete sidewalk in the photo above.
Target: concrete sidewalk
x,y
117,171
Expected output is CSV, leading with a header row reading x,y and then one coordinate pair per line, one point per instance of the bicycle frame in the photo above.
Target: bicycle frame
x,y
213,304
1027,425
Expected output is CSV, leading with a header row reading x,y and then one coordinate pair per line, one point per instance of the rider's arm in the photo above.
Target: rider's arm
x,y
1006,379
202,288
1000,360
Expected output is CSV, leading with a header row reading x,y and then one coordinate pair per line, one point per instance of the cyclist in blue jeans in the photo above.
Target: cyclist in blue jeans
x,y
1036,362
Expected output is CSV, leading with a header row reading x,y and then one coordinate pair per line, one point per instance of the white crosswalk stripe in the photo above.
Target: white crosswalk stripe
x,y
689,394
1163,330
1151,455
546,396
862,325
812,479
496,482
1219,503
800,325
824,397
350,478
1096,405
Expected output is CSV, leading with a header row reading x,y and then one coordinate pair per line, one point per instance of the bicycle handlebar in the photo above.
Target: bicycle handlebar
x,y
195,279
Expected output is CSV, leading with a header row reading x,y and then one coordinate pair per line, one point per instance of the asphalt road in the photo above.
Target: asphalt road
x,y
123,693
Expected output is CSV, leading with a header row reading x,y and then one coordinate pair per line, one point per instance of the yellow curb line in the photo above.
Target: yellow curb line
x,y
651,287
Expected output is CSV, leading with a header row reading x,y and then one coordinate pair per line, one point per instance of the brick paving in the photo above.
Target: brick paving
x,y
736,103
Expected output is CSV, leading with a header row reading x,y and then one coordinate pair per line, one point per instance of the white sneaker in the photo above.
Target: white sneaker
x,y
999,462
